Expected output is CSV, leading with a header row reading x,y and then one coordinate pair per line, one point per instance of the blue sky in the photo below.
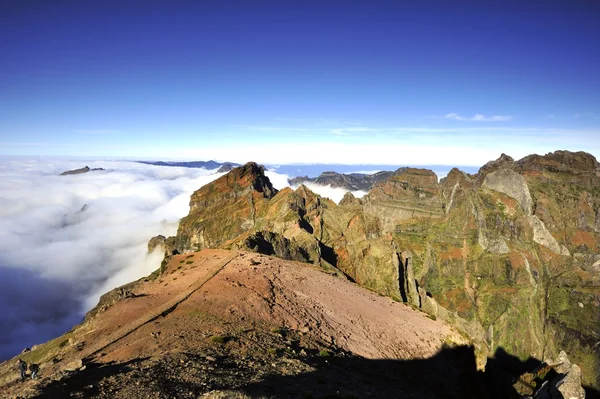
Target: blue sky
x,y
428,82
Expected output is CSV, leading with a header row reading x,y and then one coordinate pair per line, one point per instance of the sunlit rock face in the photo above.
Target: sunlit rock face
x,y
509,254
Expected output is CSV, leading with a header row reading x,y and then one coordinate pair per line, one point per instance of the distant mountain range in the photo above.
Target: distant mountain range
x,y
352,181
226,166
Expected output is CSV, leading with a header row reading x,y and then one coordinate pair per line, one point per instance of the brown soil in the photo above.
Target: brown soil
x,y
235,321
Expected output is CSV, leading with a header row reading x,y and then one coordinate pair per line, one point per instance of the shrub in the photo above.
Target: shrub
x,y
324,353
219,339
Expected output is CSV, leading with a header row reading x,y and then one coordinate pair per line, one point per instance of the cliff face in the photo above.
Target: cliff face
x,y
510,255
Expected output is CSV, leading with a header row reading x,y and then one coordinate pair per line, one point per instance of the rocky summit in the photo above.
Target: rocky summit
x,y
509,255
475,286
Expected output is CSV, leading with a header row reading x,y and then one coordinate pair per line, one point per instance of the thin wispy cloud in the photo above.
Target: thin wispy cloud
x,y
479,117
97,131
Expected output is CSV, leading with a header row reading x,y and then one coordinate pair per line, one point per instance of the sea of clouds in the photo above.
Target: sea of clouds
x,y
66,240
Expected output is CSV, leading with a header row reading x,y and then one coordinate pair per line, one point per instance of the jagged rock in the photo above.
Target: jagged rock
x,y
512,184
158,241
568,382
226,167
408,285
73,365
456,176
112,297
270,243
349,199
561,161
495,246
428,304
542,236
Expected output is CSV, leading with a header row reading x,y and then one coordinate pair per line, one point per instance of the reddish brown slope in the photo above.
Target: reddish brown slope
x,y
213,302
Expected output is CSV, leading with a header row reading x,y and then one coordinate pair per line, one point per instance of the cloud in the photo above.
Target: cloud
x,y
65,240
333,193
479,118
98,131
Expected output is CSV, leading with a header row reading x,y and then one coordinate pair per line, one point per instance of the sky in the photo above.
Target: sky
x,y
347,82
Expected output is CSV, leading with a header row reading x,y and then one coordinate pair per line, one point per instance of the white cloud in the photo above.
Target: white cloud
x,y
333,193
65,240
336,194
479,118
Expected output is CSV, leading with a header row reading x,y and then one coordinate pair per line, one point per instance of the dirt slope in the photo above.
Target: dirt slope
x,y
227,320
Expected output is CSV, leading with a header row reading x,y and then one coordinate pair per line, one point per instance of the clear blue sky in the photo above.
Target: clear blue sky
x,y
435,82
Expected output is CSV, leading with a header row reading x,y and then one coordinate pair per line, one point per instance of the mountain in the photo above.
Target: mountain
x,y
456,288
509,255
352,181
232,320
85,169
209,165
235,324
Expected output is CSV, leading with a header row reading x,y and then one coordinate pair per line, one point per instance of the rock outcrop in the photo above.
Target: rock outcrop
x,y
490,252
512,184
85,169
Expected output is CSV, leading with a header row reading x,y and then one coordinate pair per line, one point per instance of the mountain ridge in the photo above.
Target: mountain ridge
x,y
506,260
453,232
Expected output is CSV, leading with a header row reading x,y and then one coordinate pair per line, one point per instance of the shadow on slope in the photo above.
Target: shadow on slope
x,y
451,373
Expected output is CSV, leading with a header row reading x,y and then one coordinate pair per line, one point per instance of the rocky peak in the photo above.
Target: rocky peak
x,y
456,176
252,174
243,180
415,176
503,162
349,199
226,167
409,182
560,161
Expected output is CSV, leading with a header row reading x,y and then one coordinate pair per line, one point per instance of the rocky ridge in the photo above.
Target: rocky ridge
x,y
222,166
461,252
509,255
350,181
80,171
